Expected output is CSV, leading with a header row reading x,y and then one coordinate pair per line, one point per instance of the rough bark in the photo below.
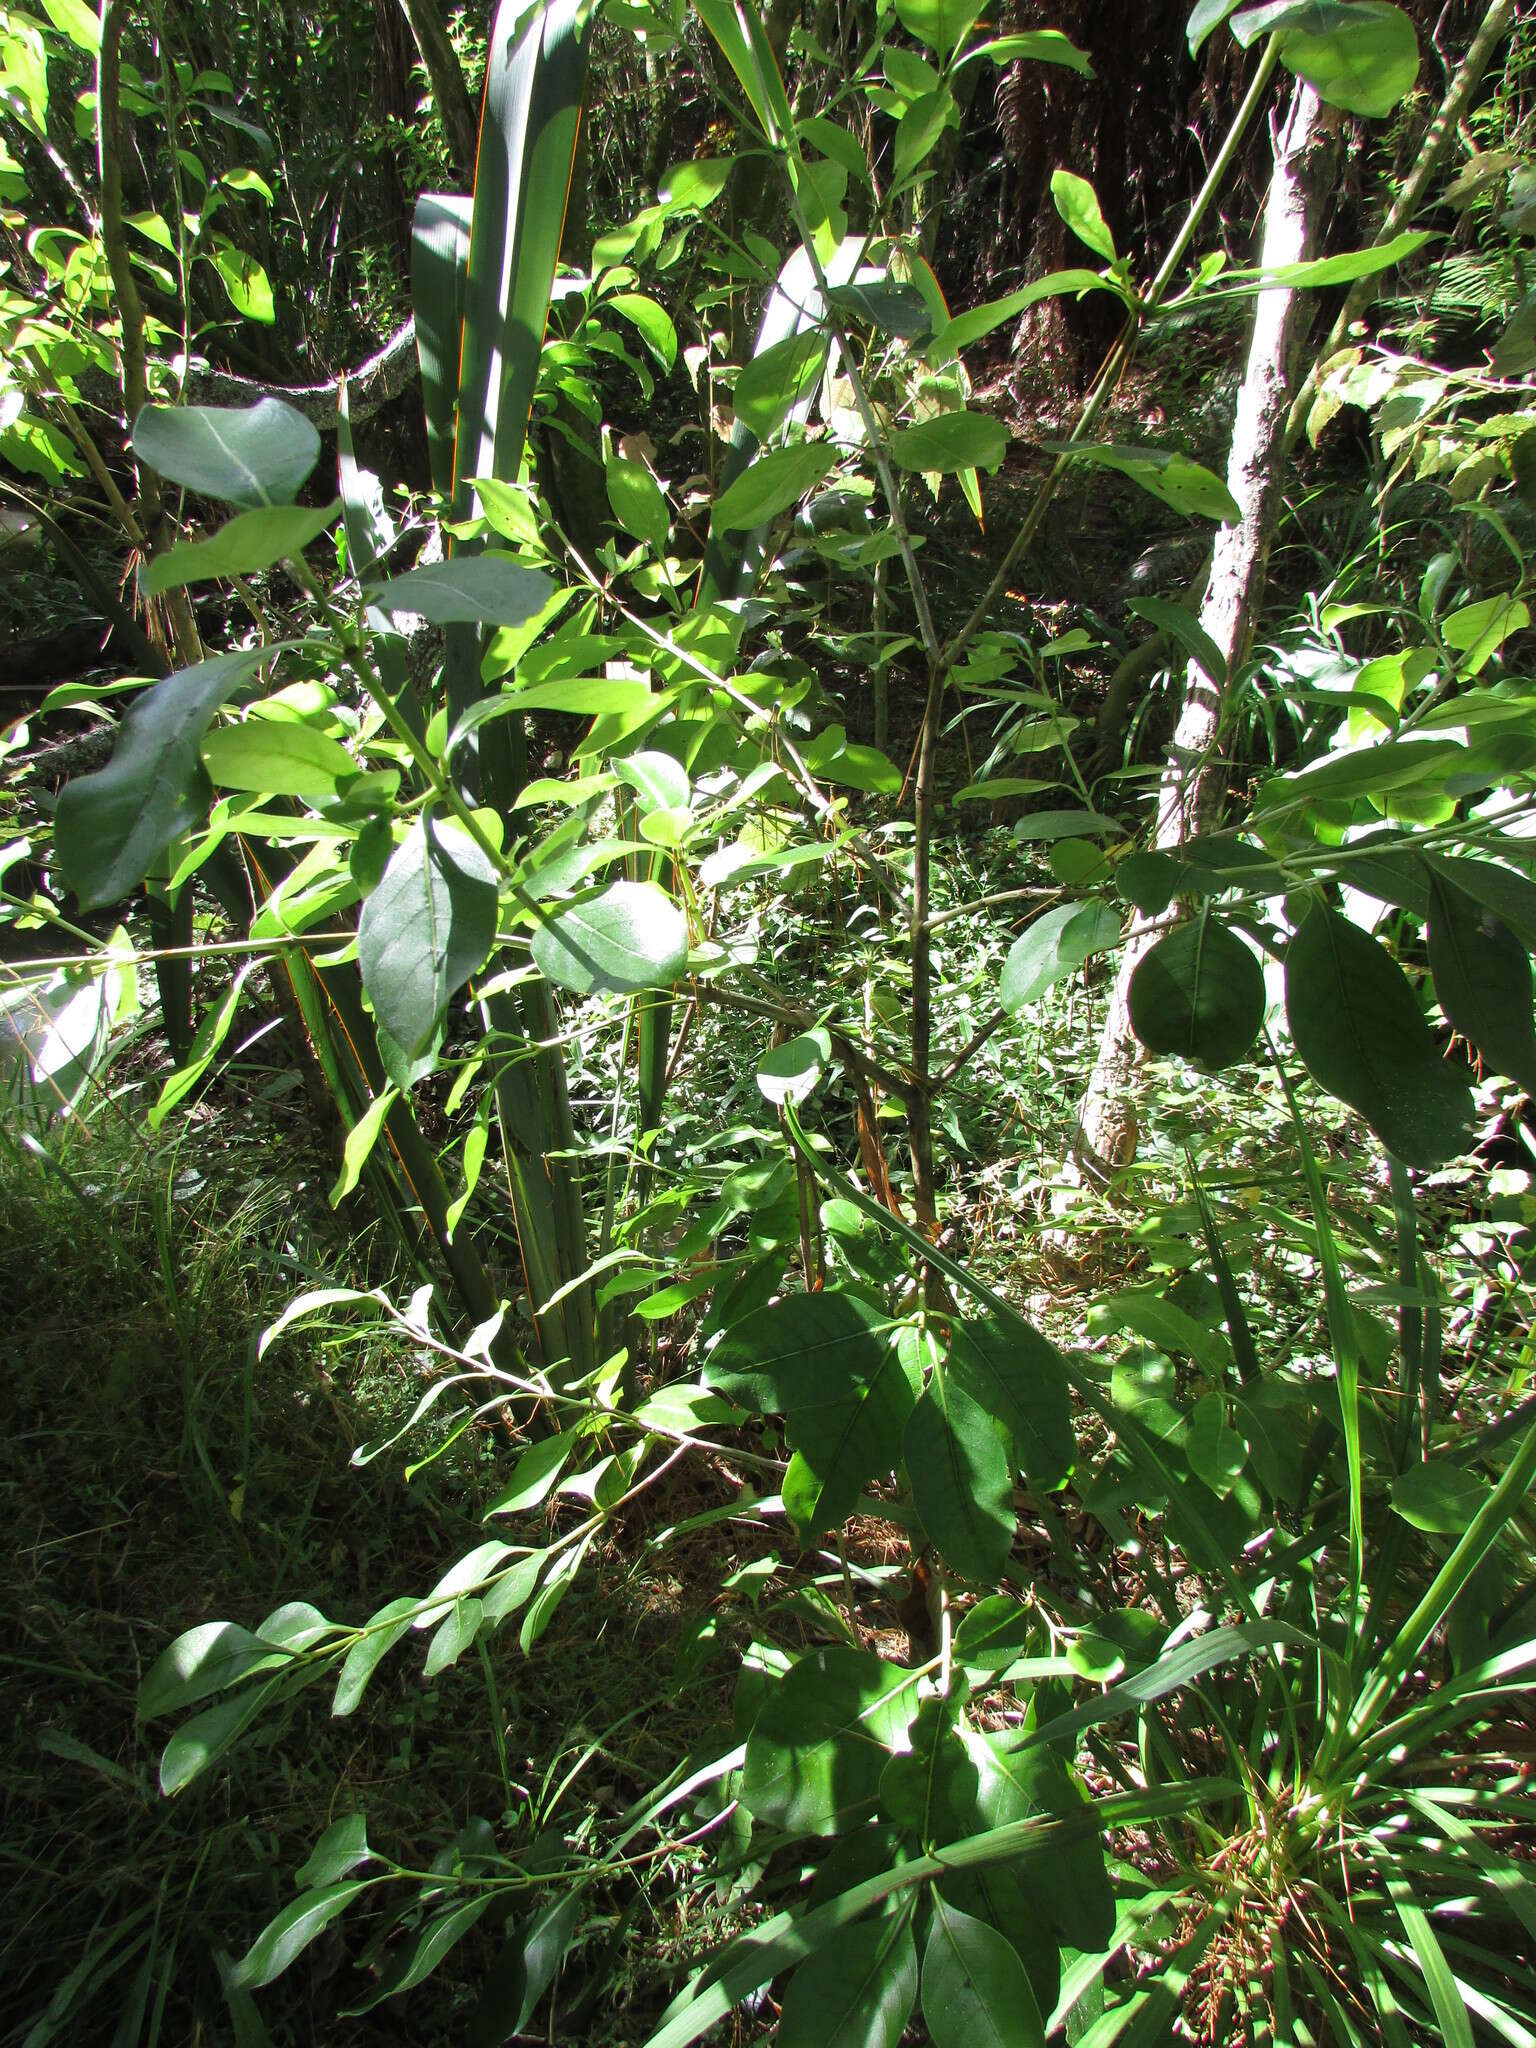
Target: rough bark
x,y
1194,776
440,60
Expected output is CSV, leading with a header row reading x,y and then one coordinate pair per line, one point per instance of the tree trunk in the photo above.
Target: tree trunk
x,y
1194,777
440,60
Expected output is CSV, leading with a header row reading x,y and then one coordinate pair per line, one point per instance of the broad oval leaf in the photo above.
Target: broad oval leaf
x,y
771,484
1078,204
276,756
777,379
1358,1026
1199,994
782,1359
425,929
938,23
1483,979
962,1483
824,1735
245,455
201,1661
488,588
110,827
1013,1373
1054,946
788,1072
951,441
1438,1497
342,1847
975,1990
636,501
1362,55
630,937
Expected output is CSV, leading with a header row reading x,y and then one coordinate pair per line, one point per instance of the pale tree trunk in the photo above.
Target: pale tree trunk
x,y
1194,777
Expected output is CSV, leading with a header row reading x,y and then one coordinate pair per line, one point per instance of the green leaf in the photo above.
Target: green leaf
x,y
534,1476
1207,16
342,1847
286,1937
245,455
276,756
425,929
384,1630
1011,1372
248,286
993,1634
965,328
1199,994
201,1661
951,441
975,1991
1055,945
788,1072
1438,1497
696,185
651,322
850,1435
77,21
1068,1883
1361,55
919,129
1483,979
1078,204
930,1788
777,379
361,1139
1217,1454
198,1744
1182,625
488,589
637,501
629,937
1035,46
1357,1024
773,483
421,1952
782,1360
940,24
855,1992
962,1481
823,1737
1185,485
250,542
111,826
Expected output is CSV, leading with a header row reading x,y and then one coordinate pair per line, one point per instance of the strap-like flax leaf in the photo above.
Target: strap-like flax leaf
x,y
439,271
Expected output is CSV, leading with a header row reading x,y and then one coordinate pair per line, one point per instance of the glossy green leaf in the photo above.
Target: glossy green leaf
x,y
772,484
962,1480
824,1735
277,756
919,130
248,285
384,1630
629,937
1357,1024
1361,55
1035,46
488,589
975,1991
111,826
966,328
855,1992
286,1937
1067,1881
249,543
951,441
1217,1454
929,1788
1177,480
1055,945
1181,624
651,322
1483,979
1198,994
425,929
637,501
1078,204
1206,16
202,1661
849,1435
439,275
245,455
